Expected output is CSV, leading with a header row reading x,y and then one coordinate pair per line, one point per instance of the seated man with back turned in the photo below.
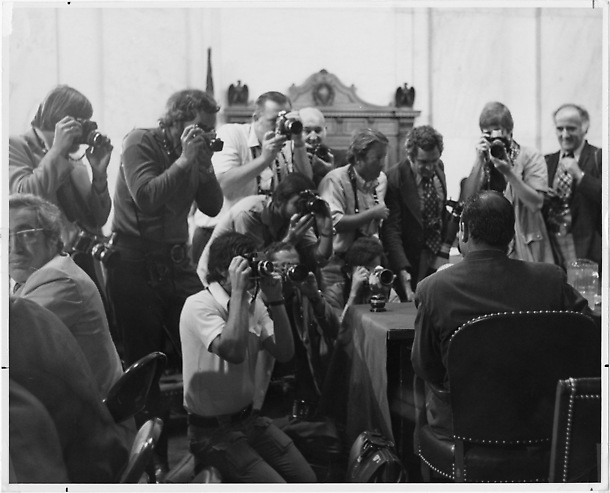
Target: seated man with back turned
x,y
224,329
485,281
45,274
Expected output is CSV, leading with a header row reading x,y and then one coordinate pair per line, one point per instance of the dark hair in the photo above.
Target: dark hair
x,y
62,101
48,215
223,249
495,114
363,251
362,140
275,96
584,114
292,185
184,105
277,247
423,137
490,218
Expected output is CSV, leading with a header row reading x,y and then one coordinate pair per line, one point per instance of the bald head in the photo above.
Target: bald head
x,y
314,125
488,220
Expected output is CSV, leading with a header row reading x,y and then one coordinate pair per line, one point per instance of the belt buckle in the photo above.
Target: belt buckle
x,y
177,254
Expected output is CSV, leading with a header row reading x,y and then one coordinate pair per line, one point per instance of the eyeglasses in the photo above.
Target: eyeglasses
x,y
27,236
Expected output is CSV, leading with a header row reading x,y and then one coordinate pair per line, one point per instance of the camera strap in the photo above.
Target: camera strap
x,y
277,170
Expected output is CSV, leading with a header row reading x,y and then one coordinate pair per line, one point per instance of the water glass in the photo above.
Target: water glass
x,y
584,277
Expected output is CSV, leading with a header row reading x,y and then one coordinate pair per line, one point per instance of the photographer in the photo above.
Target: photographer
x,y
283,217
225,329
519,173
314,133
163,170
255,158
45,162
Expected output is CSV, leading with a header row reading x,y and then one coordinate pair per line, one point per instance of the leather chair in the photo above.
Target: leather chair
x,y
503,370
142,451
128,395
576,431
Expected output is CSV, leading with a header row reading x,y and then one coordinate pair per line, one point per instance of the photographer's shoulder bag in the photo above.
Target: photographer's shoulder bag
x,y
372,459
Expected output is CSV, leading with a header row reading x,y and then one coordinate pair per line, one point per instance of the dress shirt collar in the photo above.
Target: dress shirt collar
x,y
219,294
577,152
488,254
252,138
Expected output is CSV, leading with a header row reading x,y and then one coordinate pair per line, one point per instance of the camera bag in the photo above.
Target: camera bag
x,y
373,459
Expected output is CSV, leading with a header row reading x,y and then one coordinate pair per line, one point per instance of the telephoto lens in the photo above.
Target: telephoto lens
x,y
297,273
287,126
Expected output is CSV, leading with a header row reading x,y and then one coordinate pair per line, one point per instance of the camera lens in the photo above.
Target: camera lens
x,y
294,127
297,273
386,277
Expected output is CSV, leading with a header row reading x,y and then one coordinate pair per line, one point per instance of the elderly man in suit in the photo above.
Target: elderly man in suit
x,y
575,189
43,273
416,196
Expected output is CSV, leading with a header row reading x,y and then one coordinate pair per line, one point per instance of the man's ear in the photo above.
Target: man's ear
x,y
463,231
255,116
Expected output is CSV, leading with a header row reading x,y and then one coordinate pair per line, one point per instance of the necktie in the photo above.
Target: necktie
x,y
430,216
564,181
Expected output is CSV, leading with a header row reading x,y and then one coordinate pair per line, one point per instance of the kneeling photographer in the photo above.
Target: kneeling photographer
x,y
518,172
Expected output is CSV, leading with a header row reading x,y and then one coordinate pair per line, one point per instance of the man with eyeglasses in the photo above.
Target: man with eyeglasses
x,y
416,197
43,273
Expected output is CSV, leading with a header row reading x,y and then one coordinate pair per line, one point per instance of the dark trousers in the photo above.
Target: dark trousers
x,y
148,293
251,451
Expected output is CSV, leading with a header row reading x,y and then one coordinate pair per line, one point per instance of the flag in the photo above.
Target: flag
x,y
209,85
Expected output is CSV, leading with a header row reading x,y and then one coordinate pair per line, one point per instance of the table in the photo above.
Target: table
x,y
377,337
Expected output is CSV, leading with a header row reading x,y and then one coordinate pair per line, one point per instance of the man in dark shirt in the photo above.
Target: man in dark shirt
x,y
485,281
163,170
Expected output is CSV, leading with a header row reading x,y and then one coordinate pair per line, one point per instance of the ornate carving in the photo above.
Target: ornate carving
x,y
405,96
238,95
323,94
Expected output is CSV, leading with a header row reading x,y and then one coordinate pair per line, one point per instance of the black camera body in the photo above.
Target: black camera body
x,y
310,203
90,135
287,126
297,273
105,252
499,145
214,143
259,265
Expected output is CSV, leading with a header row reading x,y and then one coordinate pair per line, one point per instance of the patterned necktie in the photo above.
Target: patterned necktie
x,y
430,216
564,182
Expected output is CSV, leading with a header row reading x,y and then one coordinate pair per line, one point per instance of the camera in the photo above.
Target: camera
x,y
214,143
260,267
382,276
90,135
297,273
310,202
499,145
105,252
287,126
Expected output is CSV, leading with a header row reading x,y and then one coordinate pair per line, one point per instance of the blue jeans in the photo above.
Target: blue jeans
x,y
251,451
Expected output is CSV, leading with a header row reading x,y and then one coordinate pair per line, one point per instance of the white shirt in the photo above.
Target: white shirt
x,y
212,385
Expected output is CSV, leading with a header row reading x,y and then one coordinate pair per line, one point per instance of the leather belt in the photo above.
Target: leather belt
x,y
210,421
176,252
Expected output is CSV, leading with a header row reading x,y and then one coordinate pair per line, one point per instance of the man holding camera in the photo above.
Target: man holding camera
x,y
224,330
575,190
416,197
43,161
255,158
314,133
519,173
163,170
289,215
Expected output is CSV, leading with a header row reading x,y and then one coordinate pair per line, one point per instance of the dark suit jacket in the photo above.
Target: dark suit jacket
x,y
585,204
403,232
483,282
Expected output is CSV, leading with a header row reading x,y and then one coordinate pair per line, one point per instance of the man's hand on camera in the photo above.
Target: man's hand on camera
x,y
483,148
67,132
193,144
272,144
271,287
309,287
501,165
239,274
299,224
99,159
